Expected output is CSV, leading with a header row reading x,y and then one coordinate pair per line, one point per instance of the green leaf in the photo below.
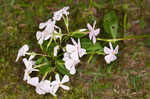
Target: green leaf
x,y
90,47
46,67
41,60
61,67
111,24
50,49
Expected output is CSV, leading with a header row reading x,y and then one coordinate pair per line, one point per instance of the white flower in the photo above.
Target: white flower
x,y
34,81
22,51
111,53
48,32
93,33
58,14
70,63
75,50
57,83
28,64
56,50
71,57
39,37
42,87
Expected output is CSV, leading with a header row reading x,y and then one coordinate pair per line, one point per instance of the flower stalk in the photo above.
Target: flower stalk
x,y
126,38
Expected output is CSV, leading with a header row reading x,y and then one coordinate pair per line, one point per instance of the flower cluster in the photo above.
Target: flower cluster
x,y
44,86
71,53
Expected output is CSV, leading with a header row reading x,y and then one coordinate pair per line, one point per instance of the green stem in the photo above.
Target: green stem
x,y
44,76
90,58
66,23
121,39
90,4
48,44
41,47
55,97
125,23
37,66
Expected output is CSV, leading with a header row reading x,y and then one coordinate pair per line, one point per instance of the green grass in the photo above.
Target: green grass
x,y
126,78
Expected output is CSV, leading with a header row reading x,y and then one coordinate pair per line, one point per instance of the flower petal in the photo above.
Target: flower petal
x,y
113,57
39,91
65,79
96,32
74,42
45,85
26,76
68,64
82,52
33,81
57,78
65,87
54,87
116,49
22,51
70,48
94,39
31,57
74,55
110,44
108,59
90,27
40,41
38,35
72,70
66,56
107,50
90,35
42,25
25,61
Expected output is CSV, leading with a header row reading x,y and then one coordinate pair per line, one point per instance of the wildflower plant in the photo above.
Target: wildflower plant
x,y
61,53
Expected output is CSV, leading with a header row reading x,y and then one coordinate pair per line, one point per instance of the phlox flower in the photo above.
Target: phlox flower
x,y
28,64
70,63
57,83
22,51
58,14
48,32
110,53
42,87
93,33
75,50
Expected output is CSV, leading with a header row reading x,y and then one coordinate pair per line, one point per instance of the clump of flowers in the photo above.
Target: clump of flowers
x,y
61,53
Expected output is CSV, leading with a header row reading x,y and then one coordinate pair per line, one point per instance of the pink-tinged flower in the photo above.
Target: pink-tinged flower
x,y
58,14
28,64
42,87
93,33
70,63
22,51
57,83
48,32
110,53
75,50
